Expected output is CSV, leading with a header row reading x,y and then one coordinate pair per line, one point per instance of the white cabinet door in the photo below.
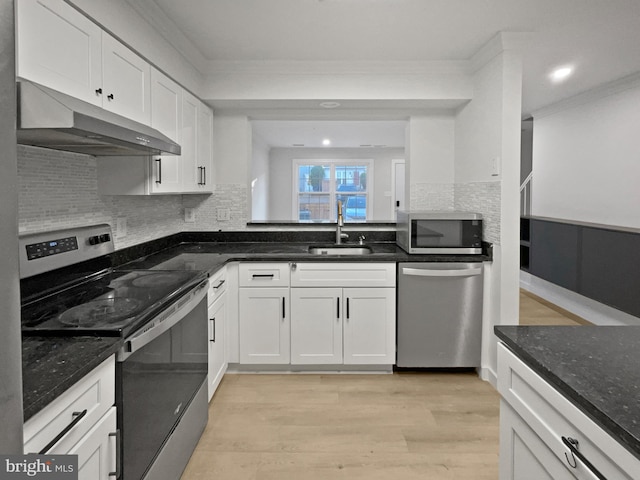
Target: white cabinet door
x,y
126,81
217,357
205,149
523,454
316,326
60,48
97,450
166,117
189,144
369,326
264,325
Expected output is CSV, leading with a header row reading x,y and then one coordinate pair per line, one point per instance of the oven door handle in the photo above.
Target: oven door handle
x,y
163,322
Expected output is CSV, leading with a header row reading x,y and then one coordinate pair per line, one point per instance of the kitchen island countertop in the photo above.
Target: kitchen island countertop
x,y
595,367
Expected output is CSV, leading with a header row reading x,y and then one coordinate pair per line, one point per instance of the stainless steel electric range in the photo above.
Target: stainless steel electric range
x,y
68,287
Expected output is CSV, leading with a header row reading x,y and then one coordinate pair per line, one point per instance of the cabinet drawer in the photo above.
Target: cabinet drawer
x,y
95,393
217,286
552,416
356,274
264,274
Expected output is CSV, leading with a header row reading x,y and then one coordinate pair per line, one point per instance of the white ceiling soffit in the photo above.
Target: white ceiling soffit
x,y
599,38
342,134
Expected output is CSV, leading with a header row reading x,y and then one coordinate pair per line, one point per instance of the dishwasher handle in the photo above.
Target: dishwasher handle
x,y
421,272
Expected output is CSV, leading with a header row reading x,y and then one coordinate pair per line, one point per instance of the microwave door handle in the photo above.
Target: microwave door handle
x,y
421,272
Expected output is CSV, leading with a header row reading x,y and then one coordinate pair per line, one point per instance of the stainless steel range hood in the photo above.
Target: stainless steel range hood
x,y
51,119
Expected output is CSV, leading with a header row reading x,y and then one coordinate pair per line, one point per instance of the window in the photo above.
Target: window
x,y
320,184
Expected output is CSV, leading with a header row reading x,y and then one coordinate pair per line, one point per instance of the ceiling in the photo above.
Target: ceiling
x,y
599,38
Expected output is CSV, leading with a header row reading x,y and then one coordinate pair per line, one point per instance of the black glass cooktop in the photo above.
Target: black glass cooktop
x,y
115,303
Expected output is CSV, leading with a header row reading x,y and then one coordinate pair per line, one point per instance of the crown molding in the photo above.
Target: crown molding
x,y
304,67
501,42
605,90
167,29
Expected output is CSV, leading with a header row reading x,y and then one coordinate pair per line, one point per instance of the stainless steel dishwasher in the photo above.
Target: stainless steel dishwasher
x,y
439,315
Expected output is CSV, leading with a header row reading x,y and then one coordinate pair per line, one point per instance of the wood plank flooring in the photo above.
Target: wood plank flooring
x,y
404,426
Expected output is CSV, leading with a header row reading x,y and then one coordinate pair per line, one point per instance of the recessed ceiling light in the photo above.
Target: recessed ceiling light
x,y
326,142
560,74
330,104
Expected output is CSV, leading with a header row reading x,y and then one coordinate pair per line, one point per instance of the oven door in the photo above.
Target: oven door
x,y
159,372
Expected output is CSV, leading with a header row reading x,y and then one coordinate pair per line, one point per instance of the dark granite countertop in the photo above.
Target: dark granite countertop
x,y
50,365
596,368
211,256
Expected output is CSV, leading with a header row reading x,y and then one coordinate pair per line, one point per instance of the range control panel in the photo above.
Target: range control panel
x,y
46,251
51,247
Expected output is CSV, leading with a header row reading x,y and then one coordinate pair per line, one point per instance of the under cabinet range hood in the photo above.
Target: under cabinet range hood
x,y
51,119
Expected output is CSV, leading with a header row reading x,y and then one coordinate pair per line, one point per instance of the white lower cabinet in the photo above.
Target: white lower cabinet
x,y
534,419
353,326
369,326
264,325
96,450
263,313
316,313
217,353
316,326
87,418
523,455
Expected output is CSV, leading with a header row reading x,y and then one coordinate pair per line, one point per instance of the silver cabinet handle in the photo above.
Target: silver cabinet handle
x,y
418,272
118,453
219,285
159,178
213,330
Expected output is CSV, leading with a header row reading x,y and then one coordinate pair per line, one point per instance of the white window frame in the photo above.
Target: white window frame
x,y
367,162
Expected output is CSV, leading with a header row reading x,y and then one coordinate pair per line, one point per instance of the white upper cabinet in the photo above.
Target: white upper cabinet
x,y
205,149
166,117
190,177
126,80
60,48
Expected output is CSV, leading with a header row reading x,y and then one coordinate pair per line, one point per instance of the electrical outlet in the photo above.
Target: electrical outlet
x,y
495,167
224,214
121,227
189,215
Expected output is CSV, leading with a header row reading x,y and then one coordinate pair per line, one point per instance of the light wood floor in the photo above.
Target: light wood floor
x,y
404,426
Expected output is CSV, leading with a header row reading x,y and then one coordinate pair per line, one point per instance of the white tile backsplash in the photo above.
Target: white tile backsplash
x,y
484,198
480,197
431,196
226,198
59,190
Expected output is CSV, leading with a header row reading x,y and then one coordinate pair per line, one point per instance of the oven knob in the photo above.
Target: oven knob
x,y
94,240
105,237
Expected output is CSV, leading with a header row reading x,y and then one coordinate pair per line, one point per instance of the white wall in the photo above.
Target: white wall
x,y
259,180
488,127
430,161
586,165
232,149
281,176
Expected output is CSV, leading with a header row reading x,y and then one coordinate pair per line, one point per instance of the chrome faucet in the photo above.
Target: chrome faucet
x,y
339,225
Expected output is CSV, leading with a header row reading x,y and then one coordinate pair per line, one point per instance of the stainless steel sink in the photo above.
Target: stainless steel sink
x,y
340,250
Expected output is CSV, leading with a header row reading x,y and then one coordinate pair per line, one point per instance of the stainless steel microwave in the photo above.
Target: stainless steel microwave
x,y
431,232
